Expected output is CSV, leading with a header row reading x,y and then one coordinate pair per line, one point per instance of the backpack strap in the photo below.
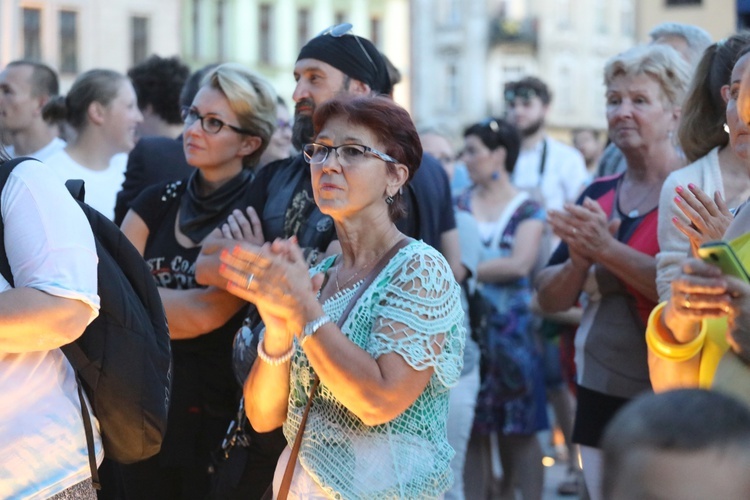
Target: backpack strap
x,y
76,188
89,429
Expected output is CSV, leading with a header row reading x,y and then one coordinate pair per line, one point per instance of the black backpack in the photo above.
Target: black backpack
x,y
123,358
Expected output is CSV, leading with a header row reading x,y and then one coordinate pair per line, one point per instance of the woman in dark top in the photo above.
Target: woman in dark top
x,y
226,130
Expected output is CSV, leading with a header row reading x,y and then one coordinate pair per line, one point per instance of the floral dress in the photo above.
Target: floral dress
x,y
511,397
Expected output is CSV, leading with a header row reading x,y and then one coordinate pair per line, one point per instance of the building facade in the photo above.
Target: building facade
x,y
718,17
266,35
73,36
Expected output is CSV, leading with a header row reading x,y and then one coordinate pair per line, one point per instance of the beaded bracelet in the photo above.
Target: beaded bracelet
x,y
279,360
671,351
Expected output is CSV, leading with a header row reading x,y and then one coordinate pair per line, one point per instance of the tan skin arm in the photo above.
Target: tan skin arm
x,y
190,313
32,320
376,390
522,259
450,247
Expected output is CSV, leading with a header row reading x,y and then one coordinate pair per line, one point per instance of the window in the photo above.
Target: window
x,y
139,38
303,26
375,31
600,16
627,20
564,14
452,86
196,28
32,34
68,41
221,46
265,34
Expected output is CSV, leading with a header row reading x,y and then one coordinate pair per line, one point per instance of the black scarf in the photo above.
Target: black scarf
x,y
199,215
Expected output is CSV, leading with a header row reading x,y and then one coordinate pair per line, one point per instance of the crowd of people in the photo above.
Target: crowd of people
x,y
370,313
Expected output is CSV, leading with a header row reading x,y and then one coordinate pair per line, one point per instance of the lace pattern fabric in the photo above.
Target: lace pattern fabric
x,y
413,309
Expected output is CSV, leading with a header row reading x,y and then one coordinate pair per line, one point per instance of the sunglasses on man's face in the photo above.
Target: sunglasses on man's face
x,y
523,93
339,30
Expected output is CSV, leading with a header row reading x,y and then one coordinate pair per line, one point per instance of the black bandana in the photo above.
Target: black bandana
x,y
345,54
199,215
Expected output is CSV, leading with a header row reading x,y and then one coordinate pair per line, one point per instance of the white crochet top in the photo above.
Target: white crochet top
x,y
412,308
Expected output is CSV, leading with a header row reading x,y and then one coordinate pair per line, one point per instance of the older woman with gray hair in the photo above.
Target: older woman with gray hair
x,y
609,240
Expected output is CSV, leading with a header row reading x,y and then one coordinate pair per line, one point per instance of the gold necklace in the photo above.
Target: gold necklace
x,y
367,266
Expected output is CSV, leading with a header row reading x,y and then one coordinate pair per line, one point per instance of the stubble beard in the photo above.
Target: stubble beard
x,y
532,129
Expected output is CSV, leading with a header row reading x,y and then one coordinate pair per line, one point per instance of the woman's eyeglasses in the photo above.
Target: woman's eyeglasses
x,y
346,154
209,123
339,30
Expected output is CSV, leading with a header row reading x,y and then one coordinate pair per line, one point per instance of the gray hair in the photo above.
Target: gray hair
x,y
661,62
697,38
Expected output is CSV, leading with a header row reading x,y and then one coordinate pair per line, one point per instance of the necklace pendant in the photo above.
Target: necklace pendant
x,y
633,214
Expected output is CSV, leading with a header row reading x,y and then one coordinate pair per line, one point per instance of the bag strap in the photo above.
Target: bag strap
x,y
286,482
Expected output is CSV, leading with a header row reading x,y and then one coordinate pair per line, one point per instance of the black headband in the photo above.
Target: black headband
x,y
349,54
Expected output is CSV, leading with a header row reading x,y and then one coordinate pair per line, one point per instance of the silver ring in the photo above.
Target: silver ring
x,y
575,230
249,279
686,303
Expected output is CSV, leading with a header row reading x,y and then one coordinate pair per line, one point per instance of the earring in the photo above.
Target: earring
x,y
389,199
726,128
495,176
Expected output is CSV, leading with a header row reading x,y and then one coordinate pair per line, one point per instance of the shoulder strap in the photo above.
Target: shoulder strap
x,y
286,481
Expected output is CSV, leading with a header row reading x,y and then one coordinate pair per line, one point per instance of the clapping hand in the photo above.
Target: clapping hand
x,y
708,218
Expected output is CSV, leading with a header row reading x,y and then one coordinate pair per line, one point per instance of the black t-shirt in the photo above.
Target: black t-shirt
x,y
429,204
282,195
203,386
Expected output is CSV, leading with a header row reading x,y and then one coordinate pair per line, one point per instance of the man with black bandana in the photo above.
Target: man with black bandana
x,y
557,171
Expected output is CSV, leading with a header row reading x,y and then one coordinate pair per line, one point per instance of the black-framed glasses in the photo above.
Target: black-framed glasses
x,y
339,30
208,123
346,154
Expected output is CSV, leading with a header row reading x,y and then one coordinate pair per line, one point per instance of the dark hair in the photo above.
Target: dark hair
x,y
529,83
96,85
679,421
701,126
44,80
495,133
158,82
193,84
390,123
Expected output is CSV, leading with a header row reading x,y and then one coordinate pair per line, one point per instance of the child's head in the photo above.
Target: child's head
x,y
683,444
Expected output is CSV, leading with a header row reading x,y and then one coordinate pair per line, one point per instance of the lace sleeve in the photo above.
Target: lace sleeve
x,y
418,315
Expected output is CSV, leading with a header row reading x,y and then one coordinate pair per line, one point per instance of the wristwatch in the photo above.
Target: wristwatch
x,y
312,327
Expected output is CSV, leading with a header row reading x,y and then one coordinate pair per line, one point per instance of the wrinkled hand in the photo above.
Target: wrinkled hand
x,y
699,292
585,228
708,218
275,278
244,228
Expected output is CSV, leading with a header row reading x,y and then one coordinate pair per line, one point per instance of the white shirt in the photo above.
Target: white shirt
x,y
42,154
50,248
564,172
101,186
